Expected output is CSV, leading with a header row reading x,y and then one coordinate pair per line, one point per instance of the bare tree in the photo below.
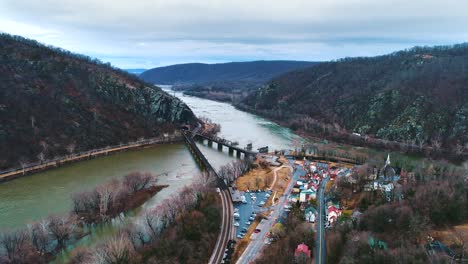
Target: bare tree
x,y
44,145
206,179
138,236
138,181
40,236
71,148
41,157
15,245
61,229
153,223
118,250
23,163
86,202
107,194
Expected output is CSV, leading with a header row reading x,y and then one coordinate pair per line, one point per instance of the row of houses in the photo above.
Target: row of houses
x,y
305,190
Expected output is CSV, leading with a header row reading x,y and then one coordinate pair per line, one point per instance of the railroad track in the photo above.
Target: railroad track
x,y
226,228
226,202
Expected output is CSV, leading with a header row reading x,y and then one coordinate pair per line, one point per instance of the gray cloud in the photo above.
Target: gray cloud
x,y
146,33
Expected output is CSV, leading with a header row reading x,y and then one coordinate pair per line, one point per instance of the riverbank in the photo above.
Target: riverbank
x,y
91,154
339,135
130,202
42,241
182,229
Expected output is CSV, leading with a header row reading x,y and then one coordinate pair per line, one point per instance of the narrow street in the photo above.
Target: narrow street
x,y
321,246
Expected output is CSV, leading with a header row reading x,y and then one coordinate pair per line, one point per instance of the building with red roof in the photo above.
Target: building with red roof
x,y
333,213
302,249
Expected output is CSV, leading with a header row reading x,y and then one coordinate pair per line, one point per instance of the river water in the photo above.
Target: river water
x,y
36,196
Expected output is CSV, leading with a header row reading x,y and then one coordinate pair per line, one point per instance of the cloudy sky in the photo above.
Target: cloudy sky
x,y
151,33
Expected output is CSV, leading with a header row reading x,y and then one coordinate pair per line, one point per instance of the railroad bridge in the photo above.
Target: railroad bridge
x,y
226,232
221,143
201,159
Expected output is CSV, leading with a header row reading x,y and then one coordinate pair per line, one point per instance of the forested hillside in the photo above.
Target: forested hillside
x,y
190,73
417,96
53,102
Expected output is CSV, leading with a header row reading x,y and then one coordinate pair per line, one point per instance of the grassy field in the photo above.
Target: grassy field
x,y
255,179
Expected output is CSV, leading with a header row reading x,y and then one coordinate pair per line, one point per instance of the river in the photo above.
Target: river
x,y
36,196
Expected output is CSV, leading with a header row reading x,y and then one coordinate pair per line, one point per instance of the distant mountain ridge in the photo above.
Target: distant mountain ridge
x,y
53,102
199,73
135,71
417,96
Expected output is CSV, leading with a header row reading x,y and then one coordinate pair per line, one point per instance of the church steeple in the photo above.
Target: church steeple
x,y
387,162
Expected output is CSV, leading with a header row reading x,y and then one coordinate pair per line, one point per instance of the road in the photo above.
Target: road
x,y
254,247
321,254
226,228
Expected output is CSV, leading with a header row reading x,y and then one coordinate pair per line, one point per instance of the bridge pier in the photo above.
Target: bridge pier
x,y
238,154
231,151
220,146
210,143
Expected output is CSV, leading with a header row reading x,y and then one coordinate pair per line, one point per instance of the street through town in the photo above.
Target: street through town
x,y
320,243
255,246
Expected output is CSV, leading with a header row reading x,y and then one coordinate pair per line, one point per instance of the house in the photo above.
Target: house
x,y
293,198
332,214
306,195
387,188
302,249
310,214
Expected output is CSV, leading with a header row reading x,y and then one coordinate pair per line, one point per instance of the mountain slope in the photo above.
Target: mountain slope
x,y
52,100
415,96
255,71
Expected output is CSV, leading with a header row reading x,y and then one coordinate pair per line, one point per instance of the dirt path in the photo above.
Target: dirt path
x,y
275,170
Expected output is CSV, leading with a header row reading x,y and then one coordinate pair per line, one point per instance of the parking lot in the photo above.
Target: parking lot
x,y
245,212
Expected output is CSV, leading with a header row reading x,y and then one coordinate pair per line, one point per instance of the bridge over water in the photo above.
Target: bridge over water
x,y
226,232
221,143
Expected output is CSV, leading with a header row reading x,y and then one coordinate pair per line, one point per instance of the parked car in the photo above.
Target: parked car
x,y
257,230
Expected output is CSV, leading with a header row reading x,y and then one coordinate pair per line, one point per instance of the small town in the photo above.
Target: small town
x,y
318,196
233,132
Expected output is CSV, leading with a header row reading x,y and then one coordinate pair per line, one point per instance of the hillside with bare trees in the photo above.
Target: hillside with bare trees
x,y
418,97
55,103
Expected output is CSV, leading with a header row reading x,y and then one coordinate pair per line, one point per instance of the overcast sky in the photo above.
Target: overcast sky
x,y
151,33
